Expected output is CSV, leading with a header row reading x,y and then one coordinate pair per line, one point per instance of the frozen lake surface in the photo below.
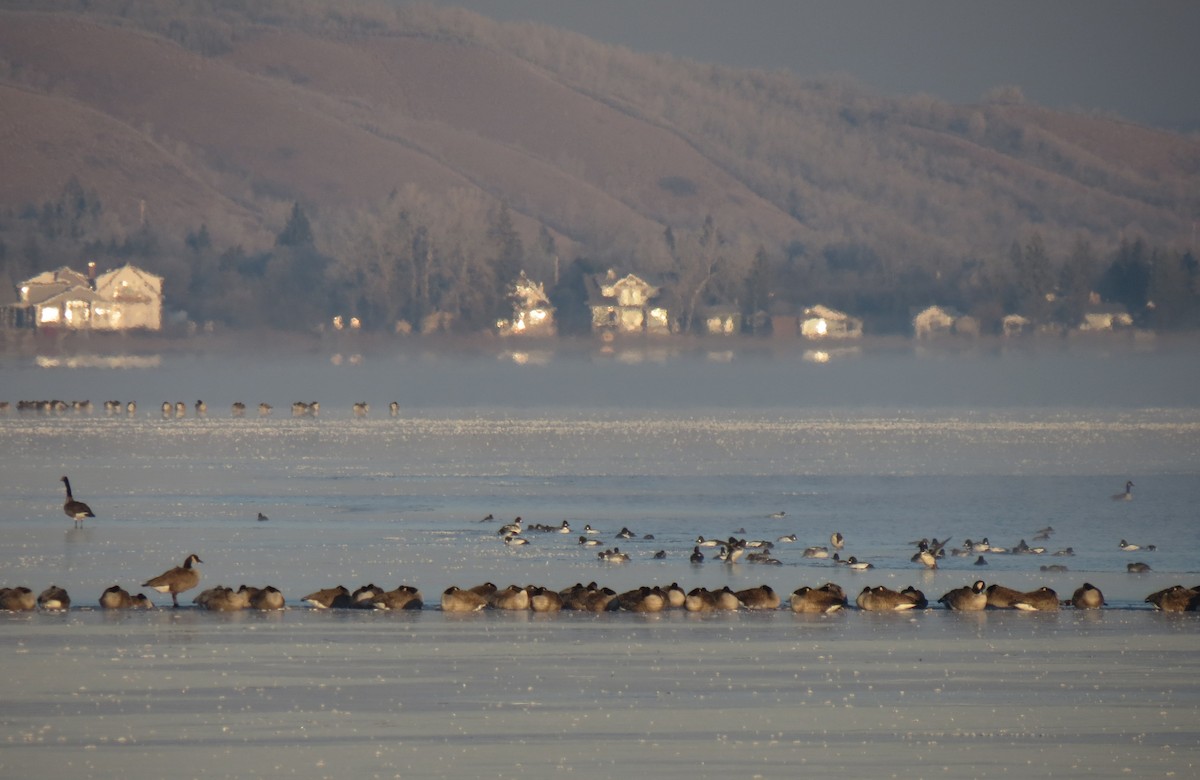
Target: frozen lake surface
x,y
400,500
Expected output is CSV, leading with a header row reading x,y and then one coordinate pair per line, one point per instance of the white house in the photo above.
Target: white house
x,y
625,305
822,322
123,299
132,298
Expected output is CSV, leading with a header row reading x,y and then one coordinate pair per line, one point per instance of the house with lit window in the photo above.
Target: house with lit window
x,y
626,305
123,299
533,314
822,322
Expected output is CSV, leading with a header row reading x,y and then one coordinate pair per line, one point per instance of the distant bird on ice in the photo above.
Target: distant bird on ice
x,y
1127,495
76,510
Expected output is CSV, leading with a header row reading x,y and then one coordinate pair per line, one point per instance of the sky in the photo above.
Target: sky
x,y
1139,59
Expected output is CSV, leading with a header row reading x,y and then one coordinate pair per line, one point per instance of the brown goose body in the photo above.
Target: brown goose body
x,y
177,580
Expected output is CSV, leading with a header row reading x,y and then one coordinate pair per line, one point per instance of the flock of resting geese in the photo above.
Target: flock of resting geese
x,y
178,409
825,599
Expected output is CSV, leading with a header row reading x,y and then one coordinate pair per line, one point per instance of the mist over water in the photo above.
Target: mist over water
x,y
641,377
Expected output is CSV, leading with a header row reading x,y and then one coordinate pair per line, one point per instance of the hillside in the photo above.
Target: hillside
x,y
186,115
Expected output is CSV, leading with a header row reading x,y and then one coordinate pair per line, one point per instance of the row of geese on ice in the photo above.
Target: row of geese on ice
x,y
825,599
179,409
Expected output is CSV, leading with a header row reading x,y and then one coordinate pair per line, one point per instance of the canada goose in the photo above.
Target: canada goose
x,y
969,598
1137,567
454,599
1041,600
222,599
820,601
238,409
116,597
364,596
201,408
264,409
177,580
916,597
700,600
131,408
511,598
361,409
544,600
262,518
1175,599
54,598
20,599
180,409
76,510
268,598
1087,596
883,599
596,599
485,589
762,597
336,597
727,599
676,596
816,552
643,599
1127,495
394,409
403,597
1000,597
168,409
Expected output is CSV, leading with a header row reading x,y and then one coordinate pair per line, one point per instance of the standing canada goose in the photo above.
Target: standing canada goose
x,y
394,409
883,599
1041,600
264,409
131,408
238,409
1087,596
762,597
361,409
177,580
455,599
971,598
201,409
55,598
76,510
1127,495
820,601
180,409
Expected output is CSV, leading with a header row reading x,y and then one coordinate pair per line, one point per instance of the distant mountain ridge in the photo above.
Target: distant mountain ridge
x,y
224,118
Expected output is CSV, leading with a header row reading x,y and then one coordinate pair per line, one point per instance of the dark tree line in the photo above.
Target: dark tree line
x,y
447,265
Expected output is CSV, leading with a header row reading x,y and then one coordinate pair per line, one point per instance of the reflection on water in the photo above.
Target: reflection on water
x,y
99,361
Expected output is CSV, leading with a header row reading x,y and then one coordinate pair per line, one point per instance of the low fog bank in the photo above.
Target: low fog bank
x,y
635,375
